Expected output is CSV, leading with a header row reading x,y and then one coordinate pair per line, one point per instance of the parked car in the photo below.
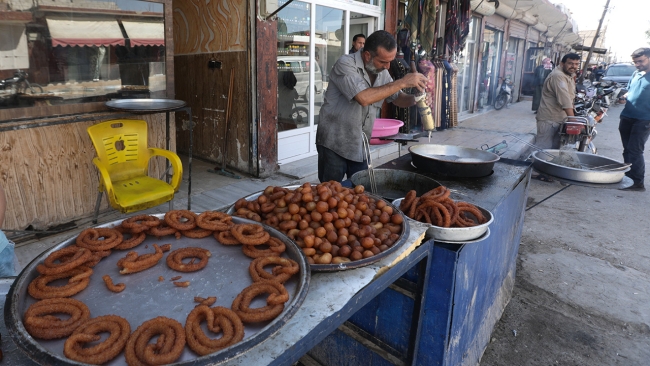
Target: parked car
x,y
619,73
300,67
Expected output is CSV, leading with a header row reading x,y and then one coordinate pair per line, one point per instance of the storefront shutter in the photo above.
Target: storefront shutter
x,y
517,29
495,21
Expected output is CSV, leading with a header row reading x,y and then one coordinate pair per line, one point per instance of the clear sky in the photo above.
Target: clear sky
x,y
627,21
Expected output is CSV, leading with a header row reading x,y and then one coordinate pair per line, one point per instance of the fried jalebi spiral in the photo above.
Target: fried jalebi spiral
x,y
197,233
42,317
436,208
113,287
250,234
226,238
278,295
163,230
181,219
215,221
140,223
284,269
168,348
99,239
133,262
130,239
219,320
118,329
68,258
79,278
275,248
175,259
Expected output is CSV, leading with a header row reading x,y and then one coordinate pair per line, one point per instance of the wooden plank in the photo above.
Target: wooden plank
x,y
210,26
205,91
48,175
267,98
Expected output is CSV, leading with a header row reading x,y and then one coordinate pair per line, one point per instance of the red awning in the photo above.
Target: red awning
x,y
145,33
82,31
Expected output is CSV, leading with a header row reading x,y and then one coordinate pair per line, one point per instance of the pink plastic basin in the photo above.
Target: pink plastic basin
x,y
384,127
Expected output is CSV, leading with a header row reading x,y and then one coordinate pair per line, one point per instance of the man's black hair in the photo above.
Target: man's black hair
x,y
382,39
643,51
570,56
360,35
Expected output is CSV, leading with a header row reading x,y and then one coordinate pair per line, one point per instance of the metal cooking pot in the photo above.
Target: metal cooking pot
x,y
453,161
394,183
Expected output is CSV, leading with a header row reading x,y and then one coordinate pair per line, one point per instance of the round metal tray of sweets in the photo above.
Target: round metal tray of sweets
x,y
353,264
145,297
456,235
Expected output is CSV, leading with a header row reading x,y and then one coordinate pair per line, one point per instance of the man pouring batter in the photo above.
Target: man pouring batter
x,y
358,85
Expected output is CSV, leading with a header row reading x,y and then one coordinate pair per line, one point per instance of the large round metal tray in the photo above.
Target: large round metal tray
x,y
145,105
395,183
145,297
614,174
458,235
353,264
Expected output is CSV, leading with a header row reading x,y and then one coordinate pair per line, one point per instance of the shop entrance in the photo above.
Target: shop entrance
x,y
311,38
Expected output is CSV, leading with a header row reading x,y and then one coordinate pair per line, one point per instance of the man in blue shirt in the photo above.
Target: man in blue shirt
x,y
635,119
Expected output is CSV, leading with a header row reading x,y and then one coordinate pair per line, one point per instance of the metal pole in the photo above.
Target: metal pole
x,y
593,43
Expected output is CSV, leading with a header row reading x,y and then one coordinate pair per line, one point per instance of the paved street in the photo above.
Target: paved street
x,y
583,276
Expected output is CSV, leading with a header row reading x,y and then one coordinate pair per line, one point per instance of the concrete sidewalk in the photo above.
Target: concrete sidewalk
x,y
212,191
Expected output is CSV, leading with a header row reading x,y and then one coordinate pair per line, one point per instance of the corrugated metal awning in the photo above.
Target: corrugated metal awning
x,y
143,33
81,31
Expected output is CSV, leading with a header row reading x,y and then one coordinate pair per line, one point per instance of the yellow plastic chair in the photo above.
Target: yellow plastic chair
x,y
123,161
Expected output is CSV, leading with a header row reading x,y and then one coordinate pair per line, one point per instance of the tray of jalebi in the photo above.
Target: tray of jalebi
x,y
337,228
157,290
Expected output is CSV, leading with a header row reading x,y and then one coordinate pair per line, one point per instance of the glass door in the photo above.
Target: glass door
x,y
311,38
467,69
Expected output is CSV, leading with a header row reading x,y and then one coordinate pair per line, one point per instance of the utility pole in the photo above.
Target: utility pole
x,y
593,43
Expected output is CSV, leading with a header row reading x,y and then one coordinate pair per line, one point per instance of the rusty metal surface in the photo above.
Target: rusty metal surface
x,y
146,297
354,264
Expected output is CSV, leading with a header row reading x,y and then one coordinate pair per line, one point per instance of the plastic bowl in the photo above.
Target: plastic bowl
x,y
384,127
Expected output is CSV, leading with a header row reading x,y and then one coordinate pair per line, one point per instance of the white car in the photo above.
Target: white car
x,y
299,65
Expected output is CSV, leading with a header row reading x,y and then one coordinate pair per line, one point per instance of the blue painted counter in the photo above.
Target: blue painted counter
x,y
442,311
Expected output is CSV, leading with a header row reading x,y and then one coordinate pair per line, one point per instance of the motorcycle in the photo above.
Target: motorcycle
x,y
505,94
18,84
579,132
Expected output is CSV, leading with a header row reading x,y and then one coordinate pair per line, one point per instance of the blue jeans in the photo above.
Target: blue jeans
x,y
332,166
634,134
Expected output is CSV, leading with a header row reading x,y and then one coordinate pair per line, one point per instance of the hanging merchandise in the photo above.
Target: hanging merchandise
x,y
421,20
459,13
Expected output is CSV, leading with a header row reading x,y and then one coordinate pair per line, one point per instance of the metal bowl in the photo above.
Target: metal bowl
x,y
459,235
406,229
453,161
611,171
394,183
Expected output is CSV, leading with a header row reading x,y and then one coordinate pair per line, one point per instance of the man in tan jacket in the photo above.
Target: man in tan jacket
x,y
556,104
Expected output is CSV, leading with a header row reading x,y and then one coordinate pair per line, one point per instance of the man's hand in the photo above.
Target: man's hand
x,y
414,79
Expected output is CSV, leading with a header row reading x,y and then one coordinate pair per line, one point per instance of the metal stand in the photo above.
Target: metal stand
x,y
403,138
